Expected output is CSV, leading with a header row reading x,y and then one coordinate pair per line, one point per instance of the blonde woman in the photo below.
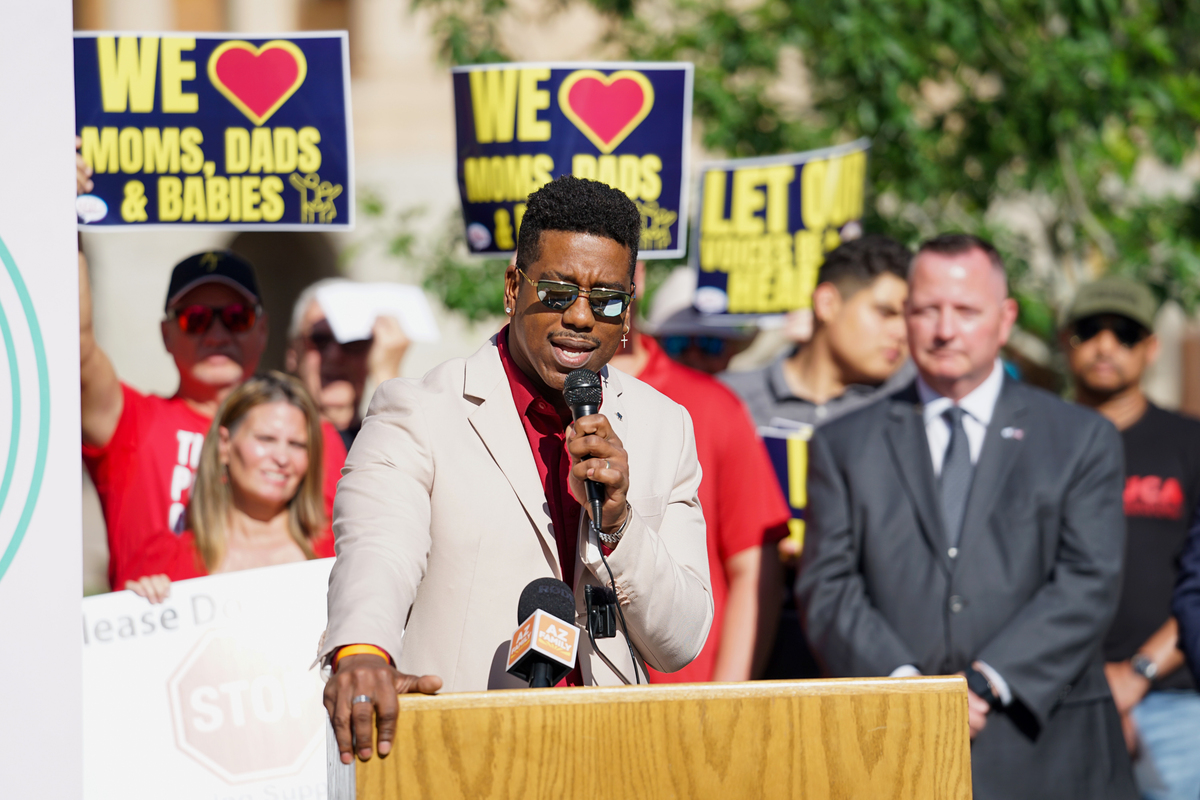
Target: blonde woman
x,y
257,500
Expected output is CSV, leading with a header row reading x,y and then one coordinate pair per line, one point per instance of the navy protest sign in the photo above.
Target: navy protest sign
x,y
521,125
767,223
215,130
788,450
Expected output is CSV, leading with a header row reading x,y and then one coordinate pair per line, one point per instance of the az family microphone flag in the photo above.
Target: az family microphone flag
x,y
519,126
215,130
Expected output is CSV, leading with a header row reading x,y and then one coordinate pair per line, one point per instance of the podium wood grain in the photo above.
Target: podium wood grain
x,y
889,738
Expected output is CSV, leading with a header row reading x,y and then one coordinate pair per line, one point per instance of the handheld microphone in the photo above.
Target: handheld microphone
x,y
583,393
545,644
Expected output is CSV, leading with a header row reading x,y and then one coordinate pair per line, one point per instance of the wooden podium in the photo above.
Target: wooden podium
x,y
875,738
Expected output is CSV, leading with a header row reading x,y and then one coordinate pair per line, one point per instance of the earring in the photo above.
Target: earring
x,y
507,310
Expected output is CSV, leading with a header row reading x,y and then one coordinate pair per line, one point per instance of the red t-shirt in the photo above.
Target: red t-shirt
x,y
743,505
144,477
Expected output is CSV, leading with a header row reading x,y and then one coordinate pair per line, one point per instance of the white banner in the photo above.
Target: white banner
x,y
40,740
209,695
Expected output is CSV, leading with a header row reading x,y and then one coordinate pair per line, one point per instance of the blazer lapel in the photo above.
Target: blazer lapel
x,y
910,450
1001,446
499,426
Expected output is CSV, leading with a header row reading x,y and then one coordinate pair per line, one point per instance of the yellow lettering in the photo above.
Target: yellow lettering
x,y
606,170
519,214
494,102
531,100
814,199
127,78
629,175
161,149
174,72
235,199
797,458
272,203
237,150
583,166
286,152
262,156
192,159
513,181
543,168
100,149
217,189
476,174
777,180
170,198
747,199
310,155
497,182
504,230
651,182
712,218
251,198
809,257
129,145
195,205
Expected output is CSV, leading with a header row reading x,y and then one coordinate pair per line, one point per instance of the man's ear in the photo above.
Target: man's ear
x,y
512,285
826,302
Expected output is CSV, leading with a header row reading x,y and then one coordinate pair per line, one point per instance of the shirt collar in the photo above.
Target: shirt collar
x,y
979,404
780,389
525,395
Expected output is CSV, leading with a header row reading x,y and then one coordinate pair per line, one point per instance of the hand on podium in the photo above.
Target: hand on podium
x,y
371,676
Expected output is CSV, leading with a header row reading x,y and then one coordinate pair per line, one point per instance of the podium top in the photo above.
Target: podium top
x,y
877,737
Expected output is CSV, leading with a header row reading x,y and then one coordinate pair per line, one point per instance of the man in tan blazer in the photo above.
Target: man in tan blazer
x,y
462,487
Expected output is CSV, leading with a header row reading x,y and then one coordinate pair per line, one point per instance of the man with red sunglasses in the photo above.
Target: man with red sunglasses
x,y
1110,343
142,450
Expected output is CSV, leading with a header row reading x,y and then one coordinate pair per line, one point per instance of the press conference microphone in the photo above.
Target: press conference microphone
x,y
583,393
544,646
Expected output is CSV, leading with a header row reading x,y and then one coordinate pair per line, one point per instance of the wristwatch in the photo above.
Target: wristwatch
x,y
978,683
612,539
1143,665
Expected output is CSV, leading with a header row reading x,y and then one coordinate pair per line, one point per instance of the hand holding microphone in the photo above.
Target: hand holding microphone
x,y
599,464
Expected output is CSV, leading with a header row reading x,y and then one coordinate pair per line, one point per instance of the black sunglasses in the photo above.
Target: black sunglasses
x,y
678,345
320,340
1126,331
559,296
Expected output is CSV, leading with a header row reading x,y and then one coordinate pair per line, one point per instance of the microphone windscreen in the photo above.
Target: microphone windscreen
x,y
550,595
583,387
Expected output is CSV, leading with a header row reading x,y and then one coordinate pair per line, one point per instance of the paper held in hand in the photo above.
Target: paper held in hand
x,y
352,308
211,690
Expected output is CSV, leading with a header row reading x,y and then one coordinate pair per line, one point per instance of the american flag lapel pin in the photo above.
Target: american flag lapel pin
x,y
1012,433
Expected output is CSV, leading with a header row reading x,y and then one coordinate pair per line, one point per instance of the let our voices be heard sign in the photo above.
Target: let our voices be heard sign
x,y
519,126
215,130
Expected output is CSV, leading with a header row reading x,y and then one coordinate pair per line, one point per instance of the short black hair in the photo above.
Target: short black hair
x,y
953,244
856,264
577,205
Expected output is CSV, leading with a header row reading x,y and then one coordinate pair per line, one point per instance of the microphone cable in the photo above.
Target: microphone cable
x,y
617,598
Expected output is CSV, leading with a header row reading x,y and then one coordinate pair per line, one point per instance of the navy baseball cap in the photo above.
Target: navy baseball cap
x,y
213,266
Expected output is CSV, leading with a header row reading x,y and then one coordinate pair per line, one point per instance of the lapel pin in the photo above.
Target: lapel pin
x,y
1012,433
619,415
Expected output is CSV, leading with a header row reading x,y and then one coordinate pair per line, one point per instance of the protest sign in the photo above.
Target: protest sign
x,y
519,126
210,694
788,449
41,739
766,225
215,130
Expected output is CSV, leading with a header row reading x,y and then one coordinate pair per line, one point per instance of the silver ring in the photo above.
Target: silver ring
x,y
362,698
607,464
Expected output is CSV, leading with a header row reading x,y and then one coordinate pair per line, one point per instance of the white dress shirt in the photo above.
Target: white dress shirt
x,y
978,405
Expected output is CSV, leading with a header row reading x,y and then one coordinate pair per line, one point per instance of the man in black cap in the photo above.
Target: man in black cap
x,y
142,450
1109,343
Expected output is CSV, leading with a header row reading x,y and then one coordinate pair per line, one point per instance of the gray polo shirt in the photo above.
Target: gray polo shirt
x,y
772,404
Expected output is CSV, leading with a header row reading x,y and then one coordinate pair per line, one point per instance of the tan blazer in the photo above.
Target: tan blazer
x,y
441,521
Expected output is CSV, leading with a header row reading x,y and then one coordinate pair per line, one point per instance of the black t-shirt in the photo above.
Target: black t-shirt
x,y
1162,487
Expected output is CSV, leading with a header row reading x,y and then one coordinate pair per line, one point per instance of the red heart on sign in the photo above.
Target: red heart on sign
x,y
258,80
606,107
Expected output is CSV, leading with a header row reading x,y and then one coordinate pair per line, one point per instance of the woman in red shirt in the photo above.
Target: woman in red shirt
x,y
257,500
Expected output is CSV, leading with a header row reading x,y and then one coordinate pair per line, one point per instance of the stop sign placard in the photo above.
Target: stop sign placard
x,y
243,714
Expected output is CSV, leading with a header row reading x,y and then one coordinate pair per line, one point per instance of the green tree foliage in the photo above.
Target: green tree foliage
x,y
1034,122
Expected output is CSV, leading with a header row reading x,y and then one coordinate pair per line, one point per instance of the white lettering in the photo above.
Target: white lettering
x,y
272,711
175,517
185,444
236,709
201,702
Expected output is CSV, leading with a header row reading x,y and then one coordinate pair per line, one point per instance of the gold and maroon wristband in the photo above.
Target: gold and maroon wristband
x,y
359,650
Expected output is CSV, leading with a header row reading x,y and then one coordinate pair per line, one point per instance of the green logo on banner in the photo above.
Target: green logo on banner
x,y
32,331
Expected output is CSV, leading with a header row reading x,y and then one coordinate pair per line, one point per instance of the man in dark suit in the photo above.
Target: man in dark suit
x,y
972,524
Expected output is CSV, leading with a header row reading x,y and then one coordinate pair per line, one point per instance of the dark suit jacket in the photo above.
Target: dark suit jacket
x,y
1030,588
1186,603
